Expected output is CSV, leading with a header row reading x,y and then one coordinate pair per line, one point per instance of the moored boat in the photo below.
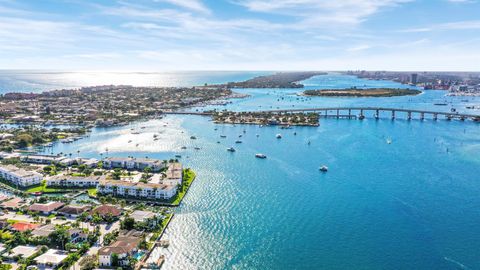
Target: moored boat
x,y
260,156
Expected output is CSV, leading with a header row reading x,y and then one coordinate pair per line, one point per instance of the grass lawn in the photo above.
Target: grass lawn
x,y
43,188
188,177
92,192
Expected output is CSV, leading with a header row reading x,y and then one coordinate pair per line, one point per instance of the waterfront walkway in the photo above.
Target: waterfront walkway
x,y
362,112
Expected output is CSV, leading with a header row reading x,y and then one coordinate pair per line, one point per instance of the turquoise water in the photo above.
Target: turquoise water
x,y
411,204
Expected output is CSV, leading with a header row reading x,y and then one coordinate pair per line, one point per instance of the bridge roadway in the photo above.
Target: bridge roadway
x,y
361,112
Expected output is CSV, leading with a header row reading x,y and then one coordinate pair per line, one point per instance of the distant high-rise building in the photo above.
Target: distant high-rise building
x,y
414,78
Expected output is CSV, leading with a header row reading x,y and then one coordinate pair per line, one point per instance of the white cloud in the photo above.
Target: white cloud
x,y
460,25
194,5
319,12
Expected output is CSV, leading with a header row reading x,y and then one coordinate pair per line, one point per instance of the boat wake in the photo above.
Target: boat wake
x,y
459,264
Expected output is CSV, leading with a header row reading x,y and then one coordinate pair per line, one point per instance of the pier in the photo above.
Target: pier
x,y
364,112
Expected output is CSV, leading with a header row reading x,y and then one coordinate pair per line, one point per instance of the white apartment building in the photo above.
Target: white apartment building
x,y
20,177
133,163
138,190
74,181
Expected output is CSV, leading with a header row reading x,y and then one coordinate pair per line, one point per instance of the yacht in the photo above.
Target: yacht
x,y
278,136
193,137
260,156
323,168
238,141
231,149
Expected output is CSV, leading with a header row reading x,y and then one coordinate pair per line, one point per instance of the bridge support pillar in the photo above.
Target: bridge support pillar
x,y
349,113
326,113
338,113
422,116
361,116
435,116
377,114
393,114
409,117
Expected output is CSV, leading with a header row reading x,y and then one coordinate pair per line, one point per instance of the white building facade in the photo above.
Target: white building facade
x,y
20,177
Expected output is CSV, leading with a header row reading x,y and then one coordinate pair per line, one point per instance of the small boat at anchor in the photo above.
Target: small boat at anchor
x,y
238,141
231,149
278,136
262,156
323,168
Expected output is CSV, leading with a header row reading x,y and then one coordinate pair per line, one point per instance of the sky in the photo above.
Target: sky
x,y
170,35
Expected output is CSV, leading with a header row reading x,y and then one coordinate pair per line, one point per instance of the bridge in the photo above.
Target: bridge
x,y
363,112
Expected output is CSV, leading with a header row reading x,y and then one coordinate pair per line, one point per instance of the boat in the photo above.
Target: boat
x,y
136,132
238,141
389,141
278,136
323,168
260,156
193,137
239,136
440,104
178,156
294,133
223,136
184,147
231,149
129,141
196,148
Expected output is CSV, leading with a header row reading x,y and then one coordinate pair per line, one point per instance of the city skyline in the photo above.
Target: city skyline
x,y
240,35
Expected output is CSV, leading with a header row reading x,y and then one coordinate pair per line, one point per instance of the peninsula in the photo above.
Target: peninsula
x,y
277,80
355,92
266,118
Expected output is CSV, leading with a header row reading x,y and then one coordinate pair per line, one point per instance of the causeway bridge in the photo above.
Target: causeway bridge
x,y
363,112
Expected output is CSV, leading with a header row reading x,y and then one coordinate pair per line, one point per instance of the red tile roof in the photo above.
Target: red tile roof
x,y
45,207
105,210
24,226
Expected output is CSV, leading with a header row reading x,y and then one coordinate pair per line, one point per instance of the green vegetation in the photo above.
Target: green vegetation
x,y
188,177
354,92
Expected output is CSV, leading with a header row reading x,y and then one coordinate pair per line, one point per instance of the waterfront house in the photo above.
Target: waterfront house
x,y
142,216
107,210
22,252
13,204
20,177
43,231
45,208
23,226
73,211
51,259
123,247
74,181
137,190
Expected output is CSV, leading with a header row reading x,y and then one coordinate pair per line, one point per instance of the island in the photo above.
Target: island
x,y
356,92
277,80
266,118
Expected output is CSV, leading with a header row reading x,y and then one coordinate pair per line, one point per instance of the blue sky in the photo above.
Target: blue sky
x,y
240,34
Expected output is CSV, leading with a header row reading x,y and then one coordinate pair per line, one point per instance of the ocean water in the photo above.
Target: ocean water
x,y
411,204
37,81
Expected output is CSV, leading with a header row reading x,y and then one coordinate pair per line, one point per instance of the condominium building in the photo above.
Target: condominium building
x,y
137,190
133,163
74,181
19,176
